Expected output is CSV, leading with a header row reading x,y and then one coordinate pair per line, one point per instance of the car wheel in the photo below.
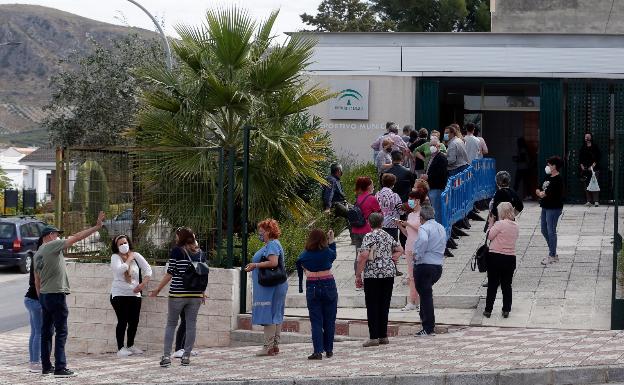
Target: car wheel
x,y
26,264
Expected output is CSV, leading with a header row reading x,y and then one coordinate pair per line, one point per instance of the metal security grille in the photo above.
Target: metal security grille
x,y
146,194
577,126
600,120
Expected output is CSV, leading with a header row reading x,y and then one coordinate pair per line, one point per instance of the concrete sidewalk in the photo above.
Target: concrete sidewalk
x,y
574,293
468,356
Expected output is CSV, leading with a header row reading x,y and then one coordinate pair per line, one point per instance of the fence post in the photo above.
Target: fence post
x,y
231,152
58,199
244,220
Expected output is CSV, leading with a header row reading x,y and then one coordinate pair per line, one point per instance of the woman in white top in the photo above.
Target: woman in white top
x,y
410,229
126,291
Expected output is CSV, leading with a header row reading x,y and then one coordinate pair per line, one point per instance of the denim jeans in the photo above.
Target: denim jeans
x,y
54,315
435,196
549,219
34,343
426,276
190,307
322,298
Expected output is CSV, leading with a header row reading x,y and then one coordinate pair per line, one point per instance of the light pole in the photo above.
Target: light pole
x,y
162,33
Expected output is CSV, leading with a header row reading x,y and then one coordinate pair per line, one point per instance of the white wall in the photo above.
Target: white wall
x,y
390,98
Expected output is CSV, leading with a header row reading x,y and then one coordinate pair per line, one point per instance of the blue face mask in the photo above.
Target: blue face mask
x,y
446,137
261,237
411,203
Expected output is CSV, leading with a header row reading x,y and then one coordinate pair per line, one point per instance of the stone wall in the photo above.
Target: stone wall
x,y
92,320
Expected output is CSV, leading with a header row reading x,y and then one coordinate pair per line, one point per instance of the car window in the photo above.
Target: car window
x,y
26,231
125,216
40,226
7,231
34,229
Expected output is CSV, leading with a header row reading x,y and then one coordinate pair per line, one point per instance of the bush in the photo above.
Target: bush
x,y
351,174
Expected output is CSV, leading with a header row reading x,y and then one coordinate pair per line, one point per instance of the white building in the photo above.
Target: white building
x,y
10,162
39,174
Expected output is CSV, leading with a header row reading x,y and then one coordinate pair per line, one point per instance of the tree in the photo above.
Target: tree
x,y
96,100
231,74
434,15
345,16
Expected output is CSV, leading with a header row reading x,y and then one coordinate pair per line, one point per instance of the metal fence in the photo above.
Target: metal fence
x,y
145,193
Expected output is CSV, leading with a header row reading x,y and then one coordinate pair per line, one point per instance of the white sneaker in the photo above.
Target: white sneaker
x,y
178,354
555,258
549,260
596,204
124,352
34,367
410,307
135,350
588,204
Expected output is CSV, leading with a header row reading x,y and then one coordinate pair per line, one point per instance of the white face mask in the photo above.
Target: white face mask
x,y
123,249
547,170
433,149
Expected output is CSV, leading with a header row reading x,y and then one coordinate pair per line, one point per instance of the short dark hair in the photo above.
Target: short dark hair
x,y
470,127
362,183
394,129
555,161
114,247
388,180
317,240
413,136
334,168
397,156
418,195
388,124
408,128
423,133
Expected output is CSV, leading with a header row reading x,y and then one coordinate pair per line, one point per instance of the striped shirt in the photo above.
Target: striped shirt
x,y
178,263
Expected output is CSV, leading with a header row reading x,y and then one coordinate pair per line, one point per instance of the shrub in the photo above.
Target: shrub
x,y
90,190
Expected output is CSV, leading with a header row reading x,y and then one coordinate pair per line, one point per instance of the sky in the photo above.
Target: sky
x,y
180,11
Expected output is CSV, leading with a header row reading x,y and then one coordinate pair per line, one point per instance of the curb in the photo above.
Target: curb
x,y
549,376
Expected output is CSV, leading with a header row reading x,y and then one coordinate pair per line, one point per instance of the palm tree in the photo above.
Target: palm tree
x,y
231,73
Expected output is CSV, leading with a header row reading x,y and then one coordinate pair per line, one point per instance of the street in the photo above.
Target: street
x,y
13,286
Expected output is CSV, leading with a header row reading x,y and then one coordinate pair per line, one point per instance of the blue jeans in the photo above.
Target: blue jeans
x,y
34,343
54,313
435,196
426,276
549,219
322,298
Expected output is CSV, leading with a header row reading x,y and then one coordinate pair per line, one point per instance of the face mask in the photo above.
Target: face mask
x,y
433,149
411,203
446,137
123,249
261,237
547,170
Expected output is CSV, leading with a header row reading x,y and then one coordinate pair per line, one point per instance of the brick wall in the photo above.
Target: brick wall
x,y
92,320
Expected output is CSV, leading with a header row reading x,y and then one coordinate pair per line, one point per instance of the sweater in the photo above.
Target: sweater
x,y
315,260
504,235
553,186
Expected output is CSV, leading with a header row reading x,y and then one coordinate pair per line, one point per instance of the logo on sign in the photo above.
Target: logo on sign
x,y
351,101
349,94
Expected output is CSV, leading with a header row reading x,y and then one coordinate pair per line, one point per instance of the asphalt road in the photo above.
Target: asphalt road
x,y
13,286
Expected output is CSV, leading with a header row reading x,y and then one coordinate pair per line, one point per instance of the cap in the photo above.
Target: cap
x,y
50,229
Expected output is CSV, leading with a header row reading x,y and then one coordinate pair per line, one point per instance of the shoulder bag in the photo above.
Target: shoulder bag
x,y
479,258
195,277
272,276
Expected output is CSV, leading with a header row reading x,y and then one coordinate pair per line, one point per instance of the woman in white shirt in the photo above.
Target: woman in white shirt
x,y
126,291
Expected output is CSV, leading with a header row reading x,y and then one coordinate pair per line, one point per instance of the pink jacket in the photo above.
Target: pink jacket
x,y
504,235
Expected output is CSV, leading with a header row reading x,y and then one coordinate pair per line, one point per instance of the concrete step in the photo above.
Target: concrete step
x,y
256,337
298,300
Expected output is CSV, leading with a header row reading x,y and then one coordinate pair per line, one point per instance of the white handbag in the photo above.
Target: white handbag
x,y
593,183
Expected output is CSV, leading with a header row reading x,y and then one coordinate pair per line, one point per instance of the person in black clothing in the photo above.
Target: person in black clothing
x,y
522,168
504,194
333,195
421,137
404,177
31,301
437,177
551,202
589,159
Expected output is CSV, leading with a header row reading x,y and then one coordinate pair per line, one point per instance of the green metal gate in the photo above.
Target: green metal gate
x,y
551,122
617,299
428,105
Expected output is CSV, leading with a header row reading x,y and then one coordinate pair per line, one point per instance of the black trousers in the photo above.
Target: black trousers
x,y
426,276
377,295
500,270
128,310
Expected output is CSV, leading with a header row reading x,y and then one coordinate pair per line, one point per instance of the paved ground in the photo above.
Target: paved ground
x,y
574,293
471,350
13,286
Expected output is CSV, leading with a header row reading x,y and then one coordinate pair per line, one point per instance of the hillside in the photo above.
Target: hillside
x,y
47,36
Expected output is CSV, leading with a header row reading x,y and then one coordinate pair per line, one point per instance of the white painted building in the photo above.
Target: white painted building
x,y
40,166
10,162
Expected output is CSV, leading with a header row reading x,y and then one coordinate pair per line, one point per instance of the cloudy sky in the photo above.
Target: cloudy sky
x,y
179,11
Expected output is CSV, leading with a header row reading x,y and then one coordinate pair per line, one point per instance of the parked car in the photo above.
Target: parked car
x,y
18,241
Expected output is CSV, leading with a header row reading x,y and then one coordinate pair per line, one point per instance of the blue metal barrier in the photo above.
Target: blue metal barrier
x,y
475,183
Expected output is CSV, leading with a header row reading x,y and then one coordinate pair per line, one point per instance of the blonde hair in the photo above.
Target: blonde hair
x,y
506,211
386,142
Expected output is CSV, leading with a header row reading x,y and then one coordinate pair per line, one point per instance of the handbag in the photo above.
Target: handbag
x,y
479,258
272,276
195,277
593,183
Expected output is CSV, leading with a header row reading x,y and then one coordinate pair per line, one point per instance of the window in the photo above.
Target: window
x,y
7,231
34,229
48,184
26,231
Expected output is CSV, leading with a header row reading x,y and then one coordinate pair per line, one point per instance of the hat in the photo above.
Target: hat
x,y
50,229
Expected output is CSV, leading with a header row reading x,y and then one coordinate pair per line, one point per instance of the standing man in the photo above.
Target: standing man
x,y
437,177
404,177
428,260
53,287
456,152
484,147
333,196
473,144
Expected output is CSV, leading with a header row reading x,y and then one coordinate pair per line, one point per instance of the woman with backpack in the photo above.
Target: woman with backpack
x,y
186,293
125,297
365,204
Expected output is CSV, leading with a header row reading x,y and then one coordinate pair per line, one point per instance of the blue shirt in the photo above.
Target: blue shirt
x,y
316,260
430,245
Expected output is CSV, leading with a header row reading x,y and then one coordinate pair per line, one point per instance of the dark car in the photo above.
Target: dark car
x,y
18,241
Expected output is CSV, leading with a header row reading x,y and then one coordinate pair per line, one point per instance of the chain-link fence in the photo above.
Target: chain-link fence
x,y
146,194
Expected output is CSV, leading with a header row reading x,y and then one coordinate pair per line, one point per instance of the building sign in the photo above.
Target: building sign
x,y
351,103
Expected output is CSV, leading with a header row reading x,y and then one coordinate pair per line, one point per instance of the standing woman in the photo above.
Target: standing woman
x,y
268,302
410,229
369,204
31,301
379,270
501,259
551,202
321,293
126,292
182,298
589,159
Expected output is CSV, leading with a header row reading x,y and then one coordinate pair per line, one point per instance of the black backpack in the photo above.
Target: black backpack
x,y
355,216
195,277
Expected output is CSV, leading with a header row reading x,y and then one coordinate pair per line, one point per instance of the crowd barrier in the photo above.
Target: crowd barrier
x,y
475,183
